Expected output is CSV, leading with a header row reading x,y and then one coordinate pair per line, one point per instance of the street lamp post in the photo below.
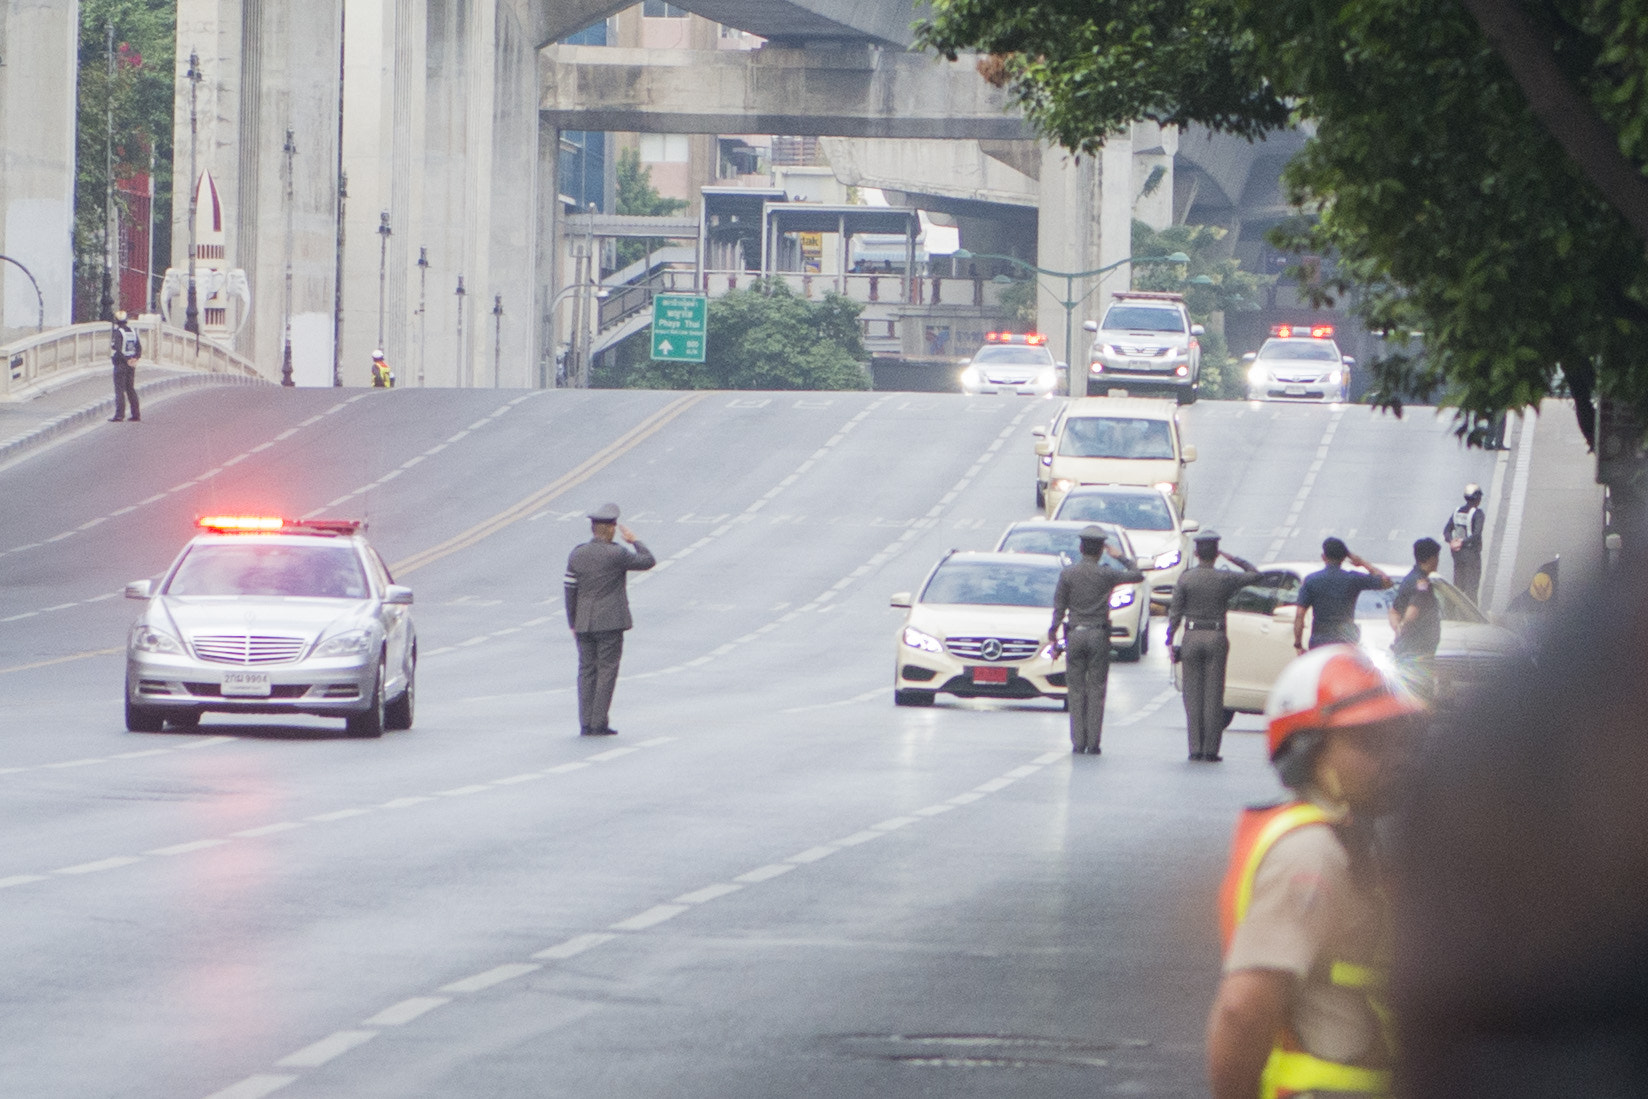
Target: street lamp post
x,y
1070,301
423,316
191,311
290,149
497,335
337,283
461,371
383,261
601,294
39,299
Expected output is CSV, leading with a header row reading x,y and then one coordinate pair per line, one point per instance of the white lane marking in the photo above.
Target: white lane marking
x,y
652,917
1022,772
253,1087
858,837
1050,757
993,785
100,864
765,873
1305,486
813,854
20,879
333,1045
463,791
1510,540
497,975
967,798
337,814
513,779
904,822
402,803
563,768
708,893
186,848
75,763
935,810
574,946
268,829
404,1012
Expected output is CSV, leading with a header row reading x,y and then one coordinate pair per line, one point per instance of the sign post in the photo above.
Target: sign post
x,y
679,327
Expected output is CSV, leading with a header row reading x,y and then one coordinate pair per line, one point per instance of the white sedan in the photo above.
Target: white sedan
x,y
1152,524
1129,603
1260,628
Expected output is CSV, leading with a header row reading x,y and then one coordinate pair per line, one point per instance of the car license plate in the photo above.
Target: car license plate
x,y
990,675
246,684
1295,391
1138,364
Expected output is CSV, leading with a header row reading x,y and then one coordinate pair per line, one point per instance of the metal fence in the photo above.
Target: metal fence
x,y
36,363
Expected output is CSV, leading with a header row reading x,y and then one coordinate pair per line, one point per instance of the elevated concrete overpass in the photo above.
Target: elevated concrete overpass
x,y
782,22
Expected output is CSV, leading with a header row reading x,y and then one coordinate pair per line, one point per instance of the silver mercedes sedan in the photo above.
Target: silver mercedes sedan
x,y
262,615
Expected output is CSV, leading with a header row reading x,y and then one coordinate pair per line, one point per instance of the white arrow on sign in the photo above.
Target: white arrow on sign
x,y
665,346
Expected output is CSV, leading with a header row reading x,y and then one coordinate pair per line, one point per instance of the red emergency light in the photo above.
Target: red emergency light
x,y
1314,331
240,523
1034,339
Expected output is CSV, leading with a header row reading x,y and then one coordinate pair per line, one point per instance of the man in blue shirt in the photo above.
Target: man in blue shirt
x,y
1330,595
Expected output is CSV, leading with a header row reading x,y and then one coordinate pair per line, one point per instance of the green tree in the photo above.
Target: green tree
x,y
766,337
140,93
1443,201
637,195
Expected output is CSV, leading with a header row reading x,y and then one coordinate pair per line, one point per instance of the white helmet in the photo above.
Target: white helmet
x,y
378,354
1332,687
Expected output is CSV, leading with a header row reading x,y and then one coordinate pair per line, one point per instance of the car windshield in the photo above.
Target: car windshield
x,y
994,583
1115,437
321,571
1130,511
1313,350
1144,318
1039,539
1016,356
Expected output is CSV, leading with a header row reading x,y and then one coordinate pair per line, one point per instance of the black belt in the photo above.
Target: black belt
x,y
1204,625
1089,626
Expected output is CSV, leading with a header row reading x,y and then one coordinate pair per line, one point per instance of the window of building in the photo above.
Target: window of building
x,y
664,149
657,9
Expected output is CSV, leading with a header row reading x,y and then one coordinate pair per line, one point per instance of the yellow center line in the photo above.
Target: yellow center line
x,y
524,507
62,660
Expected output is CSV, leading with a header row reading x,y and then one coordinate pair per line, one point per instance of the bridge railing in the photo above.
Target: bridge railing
x,y
62,354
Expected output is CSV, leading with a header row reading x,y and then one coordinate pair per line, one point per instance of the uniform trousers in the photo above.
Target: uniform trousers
x,y
125,389
1086,677
1467,571
1202,657
599,652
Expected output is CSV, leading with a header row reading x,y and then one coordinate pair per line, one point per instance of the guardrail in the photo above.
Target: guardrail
x,y
63,354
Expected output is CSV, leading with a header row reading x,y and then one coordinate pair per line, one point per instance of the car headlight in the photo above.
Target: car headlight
x,y
147,639
970,376
1047,652
1167,560
352,643
1047,377
1335,377
1061,484
926,642
1121,597
1256,375
1165,486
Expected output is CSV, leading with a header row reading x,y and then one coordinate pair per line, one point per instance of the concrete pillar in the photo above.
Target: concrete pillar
x,y
38,83
1067,232
1154,147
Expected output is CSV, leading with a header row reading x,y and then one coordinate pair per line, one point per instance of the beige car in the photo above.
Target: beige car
x,y
1260,628
978,629
1158,534
1129,603
1111,441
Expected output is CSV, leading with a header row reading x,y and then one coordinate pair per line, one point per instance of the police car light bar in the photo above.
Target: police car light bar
x,y
1034,339
230,523
1314,331
269,524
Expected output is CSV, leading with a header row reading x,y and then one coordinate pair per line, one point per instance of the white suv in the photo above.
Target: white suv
x,y
1146,345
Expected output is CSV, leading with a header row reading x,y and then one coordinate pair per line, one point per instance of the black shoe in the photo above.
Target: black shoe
x,y
117,419
1196,757
1078,750
1094,751
584,730
1213,759
608,731
137,419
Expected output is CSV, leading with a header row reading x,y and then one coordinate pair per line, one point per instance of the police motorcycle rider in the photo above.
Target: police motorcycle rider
x,y
382,376
1300,1009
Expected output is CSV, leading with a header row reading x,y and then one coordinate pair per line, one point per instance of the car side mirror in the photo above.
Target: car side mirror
x,y
1044,447
901,600
1350,360
1197,330
1061,365
1189,454
1091,326
397,596
1144,564
1250,356
140,589
1190,526
1039,432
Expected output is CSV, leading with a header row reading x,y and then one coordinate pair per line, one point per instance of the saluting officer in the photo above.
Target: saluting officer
x,y
597,606
1081,606
1200,600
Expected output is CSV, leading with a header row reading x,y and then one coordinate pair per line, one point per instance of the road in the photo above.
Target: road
x,y
772,882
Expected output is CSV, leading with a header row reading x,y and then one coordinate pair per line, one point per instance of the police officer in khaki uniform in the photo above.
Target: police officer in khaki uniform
x,y
1200,599
1081,606
597,606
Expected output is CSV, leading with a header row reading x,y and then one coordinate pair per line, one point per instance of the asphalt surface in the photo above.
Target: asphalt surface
x,y
772,882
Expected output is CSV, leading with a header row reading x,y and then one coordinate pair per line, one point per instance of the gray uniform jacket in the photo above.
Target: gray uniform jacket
x,y
1467,524
596,597
1084,591
1203,594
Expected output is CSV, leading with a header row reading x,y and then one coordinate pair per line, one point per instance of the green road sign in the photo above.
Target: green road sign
x,y
679,322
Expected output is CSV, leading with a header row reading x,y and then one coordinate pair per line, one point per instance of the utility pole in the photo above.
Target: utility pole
x,y
290,149
191,312
423,316
383,261
497,335
462,365
111,228
337,285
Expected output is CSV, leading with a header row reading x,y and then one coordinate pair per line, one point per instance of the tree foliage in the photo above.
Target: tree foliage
x,y
766,337
637,195
1448,208
140,93
1228,289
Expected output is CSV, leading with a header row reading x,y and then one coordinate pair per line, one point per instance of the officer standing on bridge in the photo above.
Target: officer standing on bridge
x,y
124,350
1081,607
1200,599
1463,533
1301,1007
597,606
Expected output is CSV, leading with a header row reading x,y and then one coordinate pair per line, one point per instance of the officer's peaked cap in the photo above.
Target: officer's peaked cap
x,y
606,513
1205,536
1092,533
